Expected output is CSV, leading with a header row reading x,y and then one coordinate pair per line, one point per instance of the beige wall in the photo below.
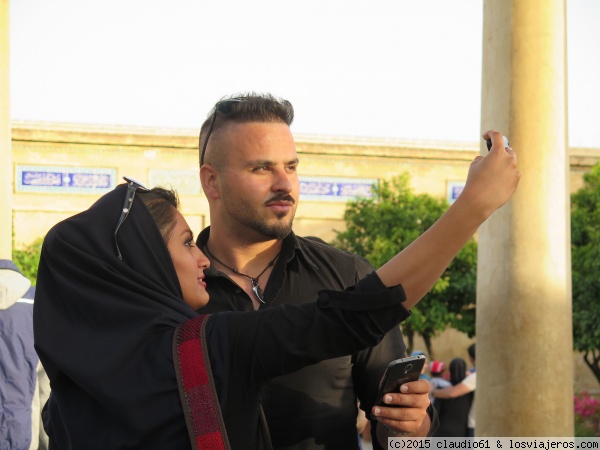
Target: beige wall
x,y
5,127
153,155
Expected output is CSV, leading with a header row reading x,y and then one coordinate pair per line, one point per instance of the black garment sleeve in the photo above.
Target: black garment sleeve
x,y
264,344
369,364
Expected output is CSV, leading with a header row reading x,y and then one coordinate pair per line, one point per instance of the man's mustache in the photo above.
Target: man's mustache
x,y
282,198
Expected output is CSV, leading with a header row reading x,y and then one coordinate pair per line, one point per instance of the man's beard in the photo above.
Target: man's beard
x,y
278,230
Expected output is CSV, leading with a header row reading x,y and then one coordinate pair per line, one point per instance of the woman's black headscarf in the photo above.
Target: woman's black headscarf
x,y
458,370
104,329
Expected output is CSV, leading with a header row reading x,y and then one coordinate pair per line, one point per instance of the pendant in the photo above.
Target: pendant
x,y
258,293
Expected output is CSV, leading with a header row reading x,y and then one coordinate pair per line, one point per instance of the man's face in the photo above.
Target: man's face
x,y
258,182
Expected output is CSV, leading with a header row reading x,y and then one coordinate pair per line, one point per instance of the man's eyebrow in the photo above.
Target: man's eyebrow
x,y
293,162
268,162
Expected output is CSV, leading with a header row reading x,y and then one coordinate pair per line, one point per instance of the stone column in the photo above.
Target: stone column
x,y
524,338
6,172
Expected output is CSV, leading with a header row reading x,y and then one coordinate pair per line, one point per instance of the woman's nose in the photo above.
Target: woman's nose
x,y
202,260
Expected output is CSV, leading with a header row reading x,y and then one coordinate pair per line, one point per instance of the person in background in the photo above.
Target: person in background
x,y
471,352
465,386
23,381
436,369
453,413
248,172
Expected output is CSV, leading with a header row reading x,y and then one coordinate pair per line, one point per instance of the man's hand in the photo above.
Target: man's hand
x,y
411,419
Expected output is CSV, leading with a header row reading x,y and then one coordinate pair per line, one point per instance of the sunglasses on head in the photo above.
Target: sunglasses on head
x,y
223,107
132,187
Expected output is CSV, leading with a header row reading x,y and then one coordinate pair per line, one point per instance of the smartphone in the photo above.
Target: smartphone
x,y
489,143
397,373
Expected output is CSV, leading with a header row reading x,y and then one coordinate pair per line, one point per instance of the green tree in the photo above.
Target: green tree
x,y
585,254
380,227
28,259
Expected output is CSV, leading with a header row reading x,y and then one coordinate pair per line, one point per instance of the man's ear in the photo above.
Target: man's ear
x,y
208,180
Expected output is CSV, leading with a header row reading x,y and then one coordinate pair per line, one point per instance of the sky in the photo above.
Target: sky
x,y
397,69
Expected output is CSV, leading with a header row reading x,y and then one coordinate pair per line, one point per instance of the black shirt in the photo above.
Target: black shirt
x,y
314,407
246,349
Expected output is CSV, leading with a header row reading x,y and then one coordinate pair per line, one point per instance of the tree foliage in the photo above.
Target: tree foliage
x,y
380,227
585,255
28,259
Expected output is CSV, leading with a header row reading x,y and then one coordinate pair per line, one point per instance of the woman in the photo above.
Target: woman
x,y
453,412
124,348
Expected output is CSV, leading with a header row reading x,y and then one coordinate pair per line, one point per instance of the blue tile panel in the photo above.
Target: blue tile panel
x,y
333,189
80,180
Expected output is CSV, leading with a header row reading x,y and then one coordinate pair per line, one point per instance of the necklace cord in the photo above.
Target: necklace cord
x,y
258,292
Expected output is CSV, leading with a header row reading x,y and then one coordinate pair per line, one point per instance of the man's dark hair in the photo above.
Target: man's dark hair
x,y
471,351
161,204
245,108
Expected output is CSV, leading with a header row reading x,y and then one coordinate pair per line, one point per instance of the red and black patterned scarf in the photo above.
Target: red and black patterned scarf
x,y
196,386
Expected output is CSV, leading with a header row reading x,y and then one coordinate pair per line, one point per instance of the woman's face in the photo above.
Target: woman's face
x,y
189,263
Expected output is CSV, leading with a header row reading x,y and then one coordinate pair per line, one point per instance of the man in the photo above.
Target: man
x,y
248,170
25,387
464,387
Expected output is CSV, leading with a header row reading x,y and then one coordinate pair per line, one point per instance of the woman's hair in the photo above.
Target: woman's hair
x,y
458,370
162,204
